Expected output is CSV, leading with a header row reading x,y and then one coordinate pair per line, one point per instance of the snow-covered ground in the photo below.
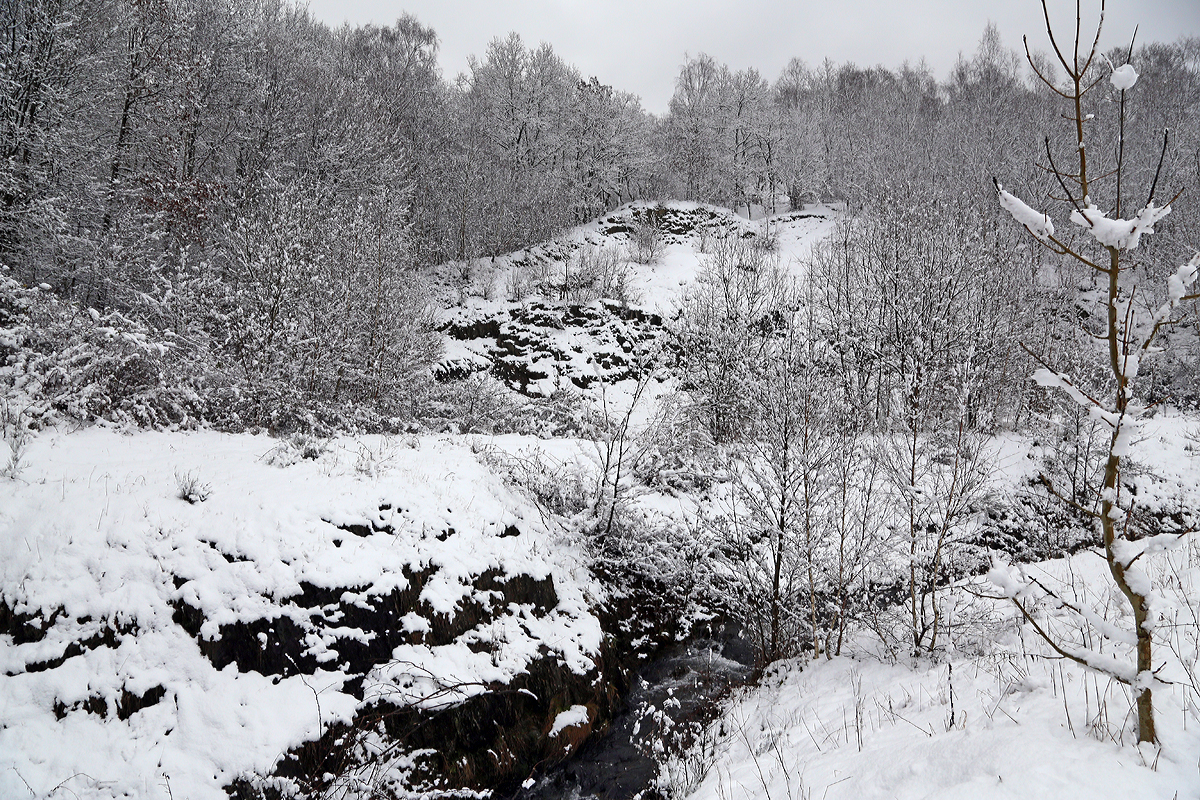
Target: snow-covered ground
x,y
658,284
498,320
998,725
101,549
128,554
1002,716
117,586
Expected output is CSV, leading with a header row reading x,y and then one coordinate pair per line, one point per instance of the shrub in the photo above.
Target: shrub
x,y
646,237
189,487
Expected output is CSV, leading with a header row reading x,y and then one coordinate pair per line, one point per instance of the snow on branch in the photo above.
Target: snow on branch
x,y
1035,222
1124,77
1127,552
1011,583
1122,234
1015,586
1177,288
1102,663
1058,380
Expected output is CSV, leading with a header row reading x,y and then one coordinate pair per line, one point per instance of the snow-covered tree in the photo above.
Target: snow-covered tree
x,y
1134,319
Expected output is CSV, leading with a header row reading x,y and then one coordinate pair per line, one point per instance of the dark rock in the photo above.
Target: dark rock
x,y
128,704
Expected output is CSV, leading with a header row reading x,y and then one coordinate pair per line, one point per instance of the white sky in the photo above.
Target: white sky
x,y
638,45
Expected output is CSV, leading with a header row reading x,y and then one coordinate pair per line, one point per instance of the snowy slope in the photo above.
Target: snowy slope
x,y
115,682
862,729
1002,716
499,322
687,230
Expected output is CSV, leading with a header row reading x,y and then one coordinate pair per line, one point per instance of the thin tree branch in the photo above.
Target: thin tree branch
x,y
1063,183
1038,72
1069,382
1096,41
1158,169
1044,481
1050,31
1058,649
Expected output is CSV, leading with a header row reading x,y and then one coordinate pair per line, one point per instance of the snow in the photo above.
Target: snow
x,y
1008,580
1127,552
1177,288
847,728
94,527
1023,724
1059,380
658,285
1124,77
548,354
1035,222
1001,716
575,715
1123,234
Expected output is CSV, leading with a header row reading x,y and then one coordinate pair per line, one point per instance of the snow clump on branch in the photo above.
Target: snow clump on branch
x,y
1177,288
1122,234
1124,77
1036,222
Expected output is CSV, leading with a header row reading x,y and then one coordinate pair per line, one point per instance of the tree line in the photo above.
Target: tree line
x,y
270,191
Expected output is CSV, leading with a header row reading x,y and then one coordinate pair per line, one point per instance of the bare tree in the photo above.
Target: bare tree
x,y
1132,325
781,477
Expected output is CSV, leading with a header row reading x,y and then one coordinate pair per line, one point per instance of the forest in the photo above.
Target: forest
x,y
800,366
271,194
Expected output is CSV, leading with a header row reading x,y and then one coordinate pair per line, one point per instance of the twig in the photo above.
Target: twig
x,y
1158,169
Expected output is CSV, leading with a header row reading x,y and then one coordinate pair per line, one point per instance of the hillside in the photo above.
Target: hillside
x,y
550,593
160,645
188,613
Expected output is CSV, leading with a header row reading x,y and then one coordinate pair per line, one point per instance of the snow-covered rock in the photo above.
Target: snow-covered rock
x,y
153,647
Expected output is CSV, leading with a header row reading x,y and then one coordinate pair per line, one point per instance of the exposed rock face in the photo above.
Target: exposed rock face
x,y
538,347
493,740
387,613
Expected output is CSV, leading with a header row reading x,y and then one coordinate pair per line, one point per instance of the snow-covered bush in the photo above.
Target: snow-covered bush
x,y
645,238
16,437
297,447
190,488
724,324
62,360
315,292
587,273
599,273
559,490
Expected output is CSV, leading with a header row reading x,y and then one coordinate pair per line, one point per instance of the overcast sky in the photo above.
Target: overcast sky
x,y
638,46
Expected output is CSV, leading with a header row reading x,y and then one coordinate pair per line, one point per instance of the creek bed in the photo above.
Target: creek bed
x,y
681,689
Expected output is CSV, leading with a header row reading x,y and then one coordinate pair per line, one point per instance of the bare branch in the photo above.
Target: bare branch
x,y
1046,482
1096,41
1050,31
1158,169
1068,381
1091,86
1065,250
1165,322
1058,649
1063,183
1038,72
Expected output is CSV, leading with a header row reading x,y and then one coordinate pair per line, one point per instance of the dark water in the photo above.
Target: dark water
x,y
684,684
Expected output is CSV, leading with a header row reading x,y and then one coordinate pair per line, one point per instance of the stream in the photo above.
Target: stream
x,y
684,684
